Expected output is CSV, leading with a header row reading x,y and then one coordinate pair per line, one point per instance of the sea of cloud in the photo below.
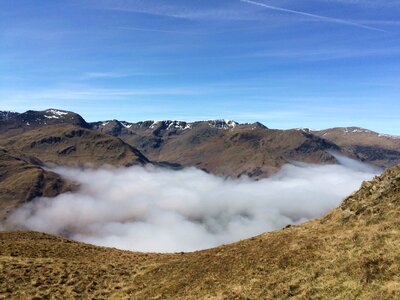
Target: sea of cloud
x,y
156,209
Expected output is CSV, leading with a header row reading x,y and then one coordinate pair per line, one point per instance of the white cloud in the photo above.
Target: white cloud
x,y
153,209
193,11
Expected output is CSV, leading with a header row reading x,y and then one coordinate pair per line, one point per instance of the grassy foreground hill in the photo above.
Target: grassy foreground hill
x,y
351,253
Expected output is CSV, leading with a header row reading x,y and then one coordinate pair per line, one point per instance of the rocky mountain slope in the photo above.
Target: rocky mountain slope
x,y
30,139
13,123
66,144
221,146
7,115
229,148
379,149
22,178
351,253
218,146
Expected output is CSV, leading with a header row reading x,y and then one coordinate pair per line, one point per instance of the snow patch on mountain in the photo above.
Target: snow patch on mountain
x,y
126,124
223,124
56,112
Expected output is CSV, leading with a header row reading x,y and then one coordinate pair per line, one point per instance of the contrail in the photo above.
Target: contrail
x,y
328,19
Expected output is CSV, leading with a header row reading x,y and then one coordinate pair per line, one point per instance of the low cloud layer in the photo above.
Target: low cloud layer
x,y
154,209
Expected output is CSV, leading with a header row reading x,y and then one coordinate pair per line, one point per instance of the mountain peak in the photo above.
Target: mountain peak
x,y
56,113
6,115
33,119
168,124
223,124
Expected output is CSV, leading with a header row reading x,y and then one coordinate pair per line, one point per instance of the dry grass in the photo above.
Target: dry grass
x,y
351,253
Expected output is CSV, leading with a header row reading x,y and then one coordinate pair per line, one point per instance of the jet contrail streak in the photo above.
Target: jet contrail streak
x,y
328,19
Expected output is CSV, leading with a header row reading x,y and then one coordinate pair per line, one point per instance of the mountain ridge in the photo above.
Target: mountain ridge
x,y
223,147
53,113
20,122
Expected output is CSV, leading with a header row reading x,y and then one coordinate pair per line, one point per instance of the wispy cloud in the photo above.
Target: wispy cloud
x,y
315,16
328,53
151,30
201,31
368,3
381,22
265,115
191,12
96,75
96,94
116,75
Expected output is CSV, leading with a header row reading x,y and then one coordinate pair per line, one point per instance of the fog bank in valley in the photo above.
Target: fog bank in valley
x,y
155,209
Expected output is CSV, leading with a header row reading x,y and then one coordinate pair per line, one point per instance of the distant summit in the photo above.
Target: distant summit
x,y
379,149
116,126
6,115
34,119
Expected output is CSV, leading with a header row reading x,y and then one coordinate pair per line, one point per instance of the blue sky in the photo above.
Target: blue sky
x,y
287,63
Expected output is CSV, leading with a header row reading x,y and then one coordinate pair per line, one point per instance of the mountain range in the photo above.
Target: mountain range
x,y
222,147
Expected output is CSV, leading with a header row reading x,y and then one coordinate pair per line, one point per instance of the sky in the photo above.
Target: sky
x,y
287,63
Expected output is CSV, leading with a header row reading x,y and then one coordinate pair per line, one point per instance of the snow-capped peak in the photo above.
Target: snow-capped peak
x,y
355,130
174,124
155,123
179,125
55,114
126,124
222,124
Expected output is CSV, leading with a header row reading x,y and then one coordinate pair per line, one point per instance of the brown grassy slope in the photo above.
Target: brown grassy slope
x,y
245,149
22,179
381,150
73,145
351,253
